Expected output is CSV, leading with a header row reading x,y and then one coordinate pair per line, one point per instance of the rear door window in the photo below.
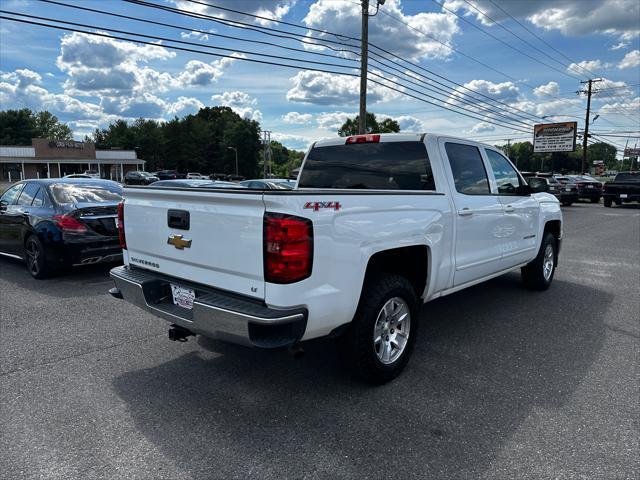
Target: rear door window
x,y
27,195
69,193
469,175
507,178
380,166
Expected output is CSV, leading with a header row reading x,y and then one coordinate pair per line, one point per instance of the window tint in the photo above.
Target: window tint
x,y
40,200
384,166
506,177
468,170
26,197
10,195
627,177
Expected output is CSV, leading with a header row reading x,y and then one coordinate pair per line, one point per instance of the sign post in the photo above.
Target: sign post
x,y
555,137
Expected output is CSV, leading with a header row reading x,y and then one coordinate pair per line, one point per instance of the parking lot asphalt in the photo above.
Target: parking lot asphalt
x,y
504,383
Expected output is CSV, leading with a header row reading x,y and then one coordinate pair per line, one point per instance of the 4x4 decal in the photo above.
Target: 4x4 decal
x,y
316,206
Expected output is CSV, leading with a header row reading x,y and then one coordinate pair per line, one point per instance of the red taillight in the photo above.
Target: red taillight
x,y
369,138
123,239
69,224
288,248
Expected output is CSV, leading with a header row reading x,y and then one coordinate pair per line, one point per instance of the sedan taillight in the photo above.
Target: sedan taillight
x,y
287,248
69,224
121,235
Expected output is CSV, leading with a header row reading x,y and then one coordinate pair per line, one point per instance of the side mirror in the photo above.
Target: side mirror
x,y
524,190
537,185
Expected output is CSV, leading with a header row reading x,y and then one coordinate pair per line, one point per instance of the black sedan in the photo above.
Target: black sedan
x,y
169,175
566,193
58,222
588,187
139,178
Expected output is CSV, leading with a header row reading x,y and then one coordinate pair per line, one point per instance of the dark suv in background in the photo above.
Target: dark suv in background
x,y
139,178
588,187
169,175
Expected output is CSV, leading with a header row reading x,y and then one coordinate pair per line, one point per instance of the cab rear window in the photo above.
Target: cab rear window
x,y
380,166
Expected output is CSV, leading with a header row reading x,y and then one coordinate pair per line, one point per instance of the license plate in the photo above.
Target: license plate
x,y
623,195
589,186
567,189
183,297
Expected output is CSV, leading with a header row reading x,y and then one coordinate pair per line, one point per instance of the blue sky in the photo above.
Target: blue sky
x,y
89,81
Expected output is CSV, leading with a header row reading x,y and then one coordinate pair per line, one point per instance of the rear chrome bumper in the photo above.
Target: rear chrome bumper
x,y
215,314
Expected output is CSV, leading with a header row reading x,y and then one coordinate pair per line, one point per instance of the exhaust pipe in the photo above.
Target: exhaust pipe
x,y
179,334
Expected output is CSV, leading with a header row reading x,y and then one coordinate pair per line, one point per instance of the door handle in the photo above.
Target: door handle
x,y
465,212
509,209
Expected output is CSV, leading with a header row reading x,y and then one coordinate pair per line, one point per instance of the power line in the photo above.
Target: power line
x,y
299,67
191,29
540,38
294,35
498,39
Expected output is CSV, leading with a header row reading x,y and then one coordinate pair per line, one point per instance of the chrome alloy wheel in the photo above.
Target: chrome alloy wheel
x,y
33,257
548,262
391,331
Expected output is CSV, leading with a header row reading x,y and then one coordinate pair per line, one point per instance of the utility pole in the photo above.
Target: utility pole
x,y
585,140
266,144
364,40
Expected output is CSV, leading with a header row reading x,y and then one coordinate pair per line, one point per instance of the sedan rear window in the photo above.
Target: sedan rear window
x,y
70,193
383,166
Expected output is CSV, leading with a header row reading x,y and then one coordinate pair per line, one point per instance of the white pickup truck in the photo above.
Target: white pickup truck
x,y
377,226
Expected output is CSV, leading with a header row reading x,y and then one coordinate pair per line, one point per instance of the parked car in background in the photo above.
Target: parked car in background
x,y
566,193
197,176
588,187
139,178
195,183
169,175
92,173
624,188
379,225
268,184
53,223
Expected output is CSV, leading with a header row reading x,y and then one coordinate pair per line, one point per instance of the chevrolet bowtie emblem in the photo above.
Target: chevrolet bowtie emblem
x,y
179,242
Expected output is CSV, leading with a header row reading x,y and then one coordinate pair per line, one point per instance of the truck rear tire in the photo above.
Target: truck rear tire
x,y
607,202
379,340
538,274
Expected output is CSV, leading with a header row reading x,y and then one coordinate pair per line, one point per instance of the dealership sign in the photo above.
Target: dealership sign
x,y
554,137
632,152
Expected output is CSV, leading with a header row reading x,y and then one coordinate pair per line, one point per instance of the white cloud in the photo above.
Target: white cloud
x,y
198,73
408,123
267,8
550,89
185,106
333,120
627,107
610,89
588,65
321,88
297,142
570,17
506,92
401,37
194,35
620,45
239,102
630,60
482,127
297,118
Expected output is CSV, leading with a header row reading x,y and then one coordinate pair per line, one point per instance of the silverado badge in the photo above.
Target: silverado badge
x,y
179,242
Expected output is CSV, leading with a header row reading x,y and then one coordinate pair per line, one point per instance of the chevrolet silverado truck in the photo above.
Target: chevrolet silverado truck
x,y
624,188
377,226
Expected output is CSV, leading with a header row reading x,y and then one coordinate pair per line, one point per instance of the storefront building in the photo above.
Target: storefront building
x,y
57,158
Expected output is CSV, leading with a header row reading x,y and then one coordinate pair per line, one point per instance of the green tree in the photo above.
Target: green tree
x,y
602,151
48,126
350,127
18,127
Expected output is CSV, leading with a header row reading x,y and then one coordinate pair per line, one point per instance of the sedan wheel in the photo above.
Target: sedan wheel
x,y
36,262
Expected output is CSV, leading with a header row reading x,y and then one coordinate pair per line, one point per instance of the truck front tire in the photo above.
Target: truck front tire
x,y
607,201
378,342
538,274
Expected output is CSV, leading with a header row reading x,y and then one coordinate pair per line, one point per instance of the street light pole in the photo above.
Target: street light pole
x,y
235,150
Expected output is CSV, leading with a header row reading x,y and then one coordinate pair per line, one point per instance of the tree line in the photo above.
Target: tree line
x,y
202,142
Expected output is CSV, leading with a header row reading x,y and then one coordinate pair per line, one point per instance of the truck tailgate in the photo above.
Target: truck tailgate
x,y
224,230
